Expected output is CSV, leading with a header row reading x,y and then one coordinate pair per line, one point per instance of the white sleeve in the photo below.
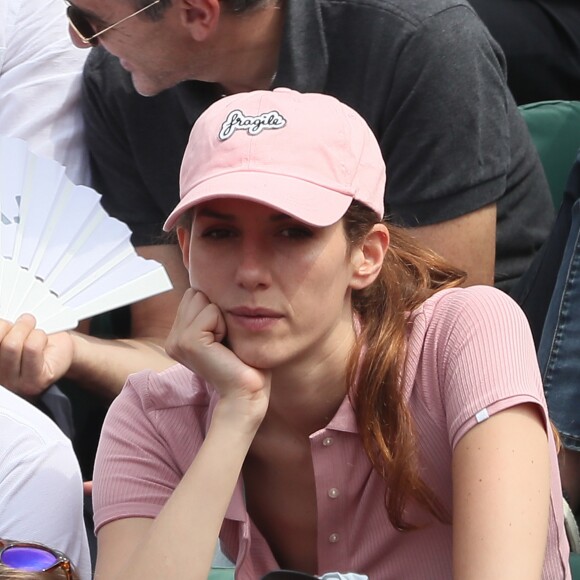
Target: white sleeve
x,y
40,82
41,495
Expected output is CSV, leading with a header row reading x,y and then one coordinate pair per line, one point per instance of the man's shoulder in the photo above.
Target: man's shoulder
x,y
414,12
23,424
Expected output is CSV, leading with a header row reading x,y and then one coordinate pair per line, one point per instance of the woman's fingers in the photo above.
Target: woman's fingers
x,y
196,341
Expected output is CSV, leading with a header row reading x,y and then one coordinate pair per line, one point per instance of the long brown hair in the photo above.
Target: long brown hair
x,y
410,274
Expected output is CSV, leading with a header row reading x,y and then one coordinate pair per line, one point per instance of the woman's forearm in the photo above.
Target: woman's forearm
x,y
180,542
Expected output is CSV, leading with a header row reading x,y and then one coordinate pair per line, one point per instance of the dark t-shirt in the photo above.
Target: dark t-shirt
x,y
541,43
426,76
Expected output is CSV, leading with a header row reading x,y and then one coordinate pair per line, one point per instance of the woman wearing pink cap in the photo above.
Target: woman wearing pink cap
x,y
340,405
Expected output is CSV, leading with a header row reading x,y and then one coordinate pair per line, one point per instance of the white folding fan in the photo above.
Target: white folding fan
x,y
62,257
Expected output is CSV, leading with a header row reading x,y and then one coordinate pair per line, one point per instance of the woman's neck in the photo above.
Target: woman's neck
x,y
306,394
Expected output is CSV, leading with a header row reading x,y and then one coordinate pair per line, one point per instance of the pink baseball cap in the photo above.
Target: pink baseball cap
x,y
307,155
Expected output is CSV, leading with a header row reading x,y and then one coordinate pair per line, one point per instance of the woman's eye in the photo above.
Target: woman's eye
x,y
296,232
217,233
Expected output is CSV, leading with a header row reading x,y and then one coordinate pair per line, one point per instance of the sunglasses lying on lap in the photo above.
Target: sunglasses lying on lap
x,y
34,557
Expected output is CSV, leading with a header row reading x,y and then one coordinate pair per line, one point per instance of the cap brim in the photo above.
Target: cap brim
x,y
306,201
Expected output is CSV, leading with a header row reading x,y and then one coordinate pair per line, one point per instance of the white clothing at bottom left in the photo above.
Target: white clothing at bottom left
x,y
41,491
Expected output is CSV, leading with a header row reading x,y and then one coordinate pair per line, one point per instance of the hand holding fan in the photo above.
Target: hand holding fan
x,y
62,257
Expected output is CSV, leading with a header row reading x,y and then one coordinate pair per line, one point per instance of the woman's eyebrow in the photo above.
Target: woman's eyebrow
x,y
279,217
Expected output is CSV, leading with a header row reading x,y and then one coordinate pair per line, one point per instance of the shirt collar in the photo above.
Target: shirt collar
x,y
344,420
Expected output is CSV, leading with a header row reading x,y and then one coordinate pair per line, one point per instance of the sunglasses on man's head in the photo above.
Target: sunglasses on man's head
x,y
83,28
33,557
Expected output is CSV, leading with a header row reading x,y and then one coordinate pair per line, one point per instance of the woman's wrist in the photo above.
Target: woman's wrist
x,y
238,416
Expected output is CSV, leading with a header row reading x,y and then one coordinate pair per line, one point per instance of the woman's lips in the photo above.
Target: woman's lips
x,y
254,319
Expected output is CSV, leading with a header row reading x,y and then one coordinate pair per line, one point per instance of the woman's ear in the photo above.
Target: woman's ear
x,y
183,238
368,258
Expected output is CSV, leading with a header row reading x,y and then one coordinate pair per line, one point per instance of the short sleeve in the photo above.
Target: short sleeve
x,y
486,358
446,136
134,471
152,432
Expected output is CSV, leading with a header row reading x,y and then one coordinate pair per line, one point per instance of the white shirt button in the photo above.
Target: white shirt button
x,y
333,493
327,441
333,538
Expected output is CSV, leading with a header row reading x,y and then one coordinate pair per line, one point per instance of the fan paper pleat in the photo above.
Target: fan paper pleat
x,y
62,257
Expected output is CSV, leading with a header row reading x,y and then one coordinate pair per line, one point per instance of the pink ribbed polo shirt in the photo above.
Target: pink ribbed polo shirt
x,y
470,355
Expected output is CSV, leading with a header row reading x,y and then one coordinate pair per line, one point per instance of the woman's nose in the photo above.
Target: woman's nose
x,y
254,265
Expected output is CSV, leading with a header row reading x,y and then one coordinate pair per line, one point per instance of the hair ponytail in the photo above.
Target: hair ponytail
x,y
410,274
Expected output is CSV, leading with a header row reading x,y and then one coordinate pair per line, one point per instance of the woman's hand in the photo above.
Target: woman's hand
x,y
196,342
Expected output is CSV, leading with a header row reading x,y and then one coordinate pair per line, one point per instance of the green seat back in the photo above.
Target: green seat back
x,y
555,130
575,566
221,574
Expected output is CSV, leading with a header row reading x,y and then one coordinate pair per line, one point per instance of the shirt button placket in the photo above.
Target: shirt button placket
x,y
331,514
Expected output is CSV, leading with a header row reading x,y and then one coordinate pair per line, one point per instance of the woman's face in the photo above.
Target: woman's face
x,y
283,286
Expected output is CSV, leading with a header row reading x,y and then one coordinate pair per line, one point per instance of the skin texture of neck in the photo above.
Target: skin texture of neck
x,y
306,395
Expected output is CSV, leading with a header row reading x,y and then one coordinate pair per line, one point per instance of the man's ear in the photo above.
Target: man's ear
x,y
183,238
368,258
201,17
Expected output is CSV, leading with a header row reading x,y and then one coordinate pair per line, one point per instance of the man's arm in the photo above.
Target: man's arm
x,y
446,141
103,365
467,242
30,360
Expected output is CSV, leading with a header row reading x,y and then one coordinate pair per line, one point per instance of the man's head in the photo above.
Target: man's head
x,y
164,42
231,5
156,12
